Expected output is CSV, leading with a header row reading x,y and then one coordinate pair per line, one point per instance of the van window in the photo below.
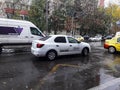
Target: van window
x,y
35,31
10,30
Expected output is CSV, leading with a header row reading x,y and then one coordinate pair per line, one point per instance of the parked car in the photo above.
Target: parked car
x,y
80,38
108,37
57,45
86,37
113,44
96,38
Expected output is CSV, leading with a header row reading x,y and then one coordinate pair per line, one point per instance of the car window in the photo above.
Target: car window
x,y
118,39
72,40
35,31
60,40
9,30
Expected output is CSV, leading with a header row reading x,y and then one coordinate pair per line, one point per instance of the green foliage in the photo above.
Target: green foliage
x,y
87,15
114,12
58,17
37,13
91,19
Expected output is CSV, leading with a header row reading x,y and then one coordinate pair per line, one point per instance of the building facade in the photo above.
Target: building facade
x,y
14,8
106,3
101,3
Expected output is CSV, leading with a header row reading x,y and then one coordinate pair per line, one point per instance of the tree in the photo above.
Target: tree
x,y
58,16
37,13
91,19
114,12
64,12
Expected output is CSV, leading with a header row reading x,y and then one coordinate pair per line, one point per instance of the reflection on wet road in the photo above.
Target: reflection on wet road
x,y
22,71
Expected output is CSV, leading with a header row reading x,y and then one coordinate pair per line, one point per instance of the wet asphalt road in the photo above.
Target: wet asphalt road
x,y
22,71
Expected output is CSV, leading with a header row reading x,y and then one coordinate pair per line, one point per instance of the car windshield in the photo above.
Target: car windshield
x,y
45,38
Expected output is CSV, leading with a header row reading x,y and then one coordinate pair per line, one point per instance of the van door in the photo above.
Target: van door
x,y
20,36
35,34
14,34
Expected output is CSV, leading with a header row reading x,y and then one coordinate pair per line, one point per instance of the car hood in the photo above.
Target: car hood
x,y
109,41
84,43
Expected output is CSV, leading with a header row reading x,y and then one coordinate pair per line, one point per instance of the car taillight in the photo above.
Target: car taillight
x,y
39,45
106,45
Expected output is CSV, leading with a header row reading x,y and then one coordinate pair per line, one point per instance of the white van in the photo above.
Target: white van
x,y
17,32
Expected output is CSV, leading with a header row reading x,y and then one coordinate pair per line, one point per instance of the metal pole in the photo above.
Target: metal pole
x,y
46,16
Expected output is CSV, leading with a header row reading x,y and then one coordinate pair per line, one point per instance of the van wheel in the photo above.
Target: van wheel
x,y
85,52
51,55
0,50
111,50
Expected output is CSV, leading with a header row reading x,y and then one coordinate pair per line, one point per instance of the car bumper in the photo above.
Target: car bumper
x,y
37,52
106,46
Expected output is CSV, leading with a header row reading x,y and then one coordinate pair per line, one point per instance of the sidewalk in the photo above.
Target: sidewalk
x,y
111,85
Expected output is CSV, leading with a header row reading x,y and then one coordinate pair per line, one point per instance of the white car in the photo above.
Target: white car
x,y
57,45
96,38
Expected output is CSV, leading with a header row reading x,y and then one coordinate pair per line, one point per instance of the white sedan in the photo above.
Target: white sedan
x,y
96,38
57,45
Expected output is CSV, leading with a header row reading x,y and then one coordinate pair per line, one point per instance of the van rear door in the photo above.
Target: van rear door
x,y
4,34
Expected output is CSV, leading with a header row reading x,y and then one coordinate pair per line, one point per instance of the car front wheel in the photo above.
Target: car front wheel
x,y
51,55
85,52
111,50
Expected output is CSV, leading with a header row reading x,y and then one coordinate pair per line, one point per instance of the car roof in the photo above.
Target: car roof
x,y
117,37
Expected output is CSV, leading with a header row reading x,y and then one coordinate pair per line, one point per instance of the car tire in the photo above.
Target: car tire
x,y
111,50
85,52
51,55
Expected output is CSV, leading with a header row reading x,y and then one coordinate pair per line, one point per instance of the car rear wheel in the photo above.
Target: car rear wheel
x,y
111,50
85,52
51,55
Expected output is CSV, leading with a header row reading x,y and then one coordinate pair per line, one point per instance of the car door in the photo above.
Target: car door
x,y
61,45
73,45
34,34
117,45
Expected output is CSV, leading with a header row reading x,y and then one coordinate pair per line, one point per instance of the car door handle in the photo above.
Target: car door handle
x,y
57,45
32,37
70,45
26,36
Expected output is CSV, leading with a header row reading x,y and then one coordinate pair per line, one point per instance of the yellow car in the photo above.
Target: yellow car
x,y
80,38
113,44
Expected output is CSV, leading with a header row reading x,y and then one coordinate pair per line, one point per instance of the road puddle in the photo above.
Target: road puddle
x,y
110,74
69,77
